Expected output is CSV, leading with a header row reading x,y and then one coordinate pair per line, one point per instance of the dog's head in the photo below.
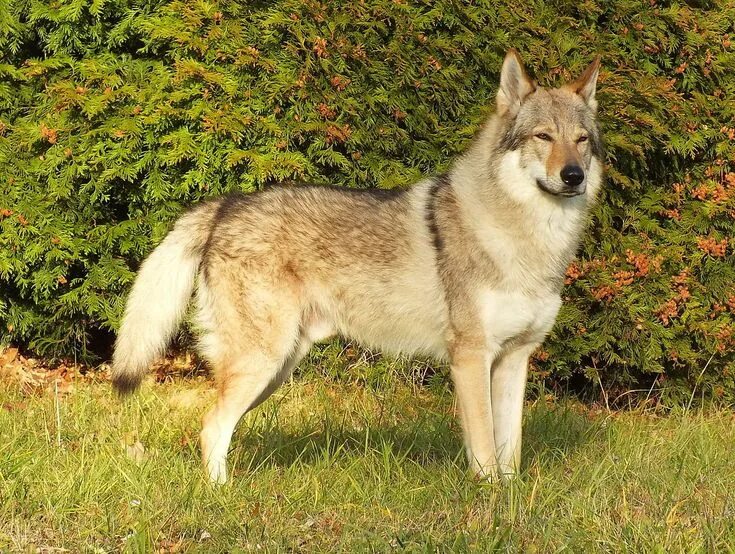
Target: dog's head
x,y
549,136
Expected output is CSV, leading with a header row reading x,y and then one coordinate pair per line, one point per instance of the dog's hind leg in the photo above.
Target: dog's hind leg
x,y
302,348
311,332
253,346
248,383
244,383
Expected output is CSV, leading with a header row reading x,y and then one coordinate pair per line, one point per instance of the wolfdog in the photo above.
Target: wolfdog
x,y
466,267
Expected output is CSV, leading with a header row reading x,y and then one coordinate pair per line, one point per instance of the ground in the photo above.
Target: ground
x,y
327,465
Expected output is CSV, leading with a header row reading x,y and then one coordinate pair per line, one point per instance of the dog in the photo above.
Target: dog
x,y
466,267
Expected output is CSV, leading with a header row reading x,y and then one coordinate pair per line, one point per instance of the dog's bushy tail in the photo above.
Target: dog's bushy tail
x,y
159,298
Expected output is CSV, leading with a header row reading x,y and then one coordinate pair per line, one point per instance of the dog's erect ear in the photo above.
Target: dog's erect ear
x,y
586,85
515,84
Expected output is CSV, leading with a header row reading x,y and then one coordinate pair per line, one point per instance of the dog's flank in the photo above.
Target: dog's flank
x,y
466,266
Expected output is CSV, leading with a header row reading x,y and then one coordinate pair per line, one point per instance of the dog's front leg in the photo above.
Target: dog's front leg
x,y
470,367
508,387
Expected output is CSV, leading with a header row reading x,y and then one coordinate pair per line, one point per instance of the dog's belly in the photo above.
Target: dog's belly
x,y
403,313
398,329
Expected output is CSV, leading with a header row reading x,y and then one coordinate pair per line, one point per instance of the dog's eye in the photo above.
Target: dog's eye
x,y
583,138
543,136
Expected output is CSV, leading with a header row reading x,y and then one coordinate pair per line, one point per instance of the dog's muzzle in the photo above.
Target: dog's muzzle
x,y
566,191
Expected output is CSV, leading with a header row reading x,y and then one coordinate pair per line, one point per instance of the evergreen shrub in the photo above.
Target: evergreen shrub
x,y
115,115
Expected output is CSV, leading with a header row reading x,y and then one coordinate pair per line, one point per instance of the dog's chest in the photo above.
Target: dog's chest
x,y
524,263
509,315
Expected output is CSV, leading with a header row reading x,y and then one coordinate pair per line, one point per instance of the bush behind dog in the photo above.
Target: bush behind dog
x,y
115,116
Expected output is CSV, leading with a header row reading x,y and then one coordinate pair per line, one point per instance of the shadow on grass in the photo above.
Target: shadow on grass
x,y
553,432
430,440
550,435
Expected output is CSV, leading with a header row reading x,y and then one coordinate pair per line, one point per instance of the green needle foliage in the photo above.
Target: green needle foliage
x,y
117,115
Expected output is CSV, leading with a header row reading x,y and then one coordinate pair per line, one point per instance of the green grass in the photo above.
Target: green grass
x,y
330,467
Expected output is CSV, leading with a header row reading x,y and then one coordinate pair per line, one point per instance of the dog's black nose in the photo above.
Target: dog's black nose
x,y
572,175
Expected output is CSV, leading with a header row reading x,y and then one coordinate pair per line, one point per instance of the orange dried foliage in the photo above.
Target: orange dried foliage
x,y
643,263
325,111
48,134
573,273
671,214
667,311
433,62
717,193
339,82
720,195
623,278
320,47
725,339
337,133
713,247
681,278
700,193
604,293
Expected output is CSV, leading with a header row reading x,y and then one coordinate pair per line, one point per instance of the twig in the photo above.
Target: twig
x,y
58,413
694,390
632,391
599,380
651,389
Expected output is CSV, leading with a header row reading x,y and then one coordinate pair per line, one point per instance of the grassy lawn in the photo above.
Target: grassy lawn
x,y
329,467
